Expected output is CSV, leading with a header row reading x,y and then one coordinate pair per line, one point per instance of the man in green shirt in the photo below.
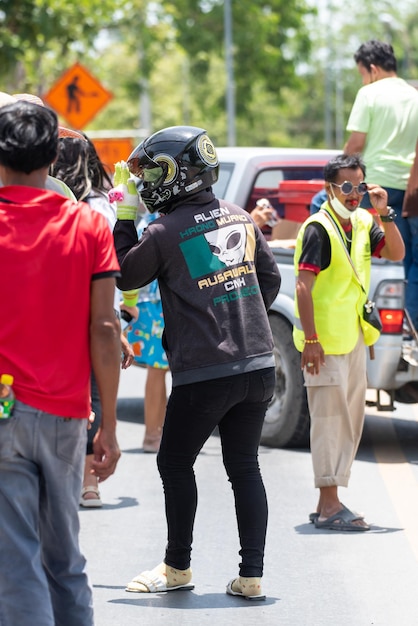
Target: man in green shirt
x,y
384,129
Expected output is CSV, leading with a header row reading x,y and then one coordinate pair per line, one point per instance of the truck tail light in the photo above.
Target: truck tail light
x,y
389,298
392,321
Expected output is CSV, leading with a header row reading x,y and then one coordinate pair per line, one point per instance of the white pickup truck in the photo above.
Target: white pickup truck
x,y
248,174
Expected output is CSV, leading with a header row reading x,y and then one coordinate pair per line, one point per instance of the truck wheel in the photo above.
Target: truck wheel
x,y
287,419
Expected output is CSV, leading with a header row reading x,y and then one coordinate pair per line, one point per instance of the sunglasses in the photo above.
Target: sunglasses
x,y
347,188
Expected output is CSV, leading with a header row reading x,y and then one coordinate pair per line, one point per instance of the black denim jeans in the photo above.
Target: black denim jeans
x,y
237,405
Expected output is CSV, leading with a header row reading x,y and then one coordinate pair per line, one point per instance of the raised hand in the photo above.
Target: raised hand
x,y
124,193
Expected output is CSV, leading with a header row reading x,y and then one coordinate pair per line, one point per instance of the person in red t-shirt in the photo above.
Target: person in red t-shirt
x,y
58,260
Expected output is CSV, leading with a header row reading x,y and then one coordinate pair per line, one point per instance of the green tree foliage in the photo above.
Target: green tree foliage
x,y
178,49
295,77
269,38
173,50
316,114
35,31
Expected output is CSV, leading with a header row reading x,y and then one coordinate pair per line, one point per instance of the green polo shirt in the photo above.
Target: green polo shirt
x,y
387,110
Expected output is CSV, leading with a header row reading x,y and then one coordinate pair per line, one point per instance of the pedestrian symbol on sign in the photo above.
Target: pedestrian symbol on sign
x,y
73,93
77,96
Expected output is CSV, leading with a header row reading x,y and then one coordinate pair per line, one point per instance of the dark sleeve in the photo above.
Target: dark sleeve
x,y
316,249
268,273
377,239
125,238
99,275
138,259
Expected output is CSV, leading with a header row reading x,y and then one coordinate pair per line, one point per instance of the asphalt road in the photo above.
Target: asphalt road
x,y
312,577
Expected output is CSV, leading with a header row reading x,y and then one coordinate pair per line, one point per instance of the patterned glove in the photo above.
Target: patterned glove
x,y
124,193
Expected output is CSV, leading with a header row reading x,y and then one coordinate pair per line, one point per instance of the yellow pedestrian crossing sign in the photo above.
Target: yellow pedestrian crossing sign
x,y
77,96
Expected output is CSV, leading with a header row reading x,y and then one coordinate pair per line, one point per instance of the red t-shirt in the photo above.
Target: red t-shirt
x,y
51,248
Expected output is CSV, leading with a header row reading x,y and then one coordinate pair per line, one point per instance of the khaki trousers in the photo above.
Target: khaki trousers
x,y
336,398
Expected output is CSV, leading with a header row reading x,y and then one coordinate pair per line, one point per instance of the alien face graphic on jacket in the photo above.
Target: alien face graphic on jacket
x,y
228,243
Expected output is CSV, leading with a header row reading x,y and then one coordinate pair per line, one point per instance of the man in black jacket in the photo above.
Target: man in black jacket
x,y
217,278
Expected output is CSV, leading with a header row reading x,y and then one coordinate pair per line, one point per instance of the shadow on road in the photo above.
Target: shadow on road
x,y
124,503
394,440
187,600
131,410
309,529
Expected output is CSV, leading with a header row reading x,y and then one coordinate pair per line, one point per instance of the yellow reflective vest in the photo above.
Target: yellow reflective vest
x,y
337,295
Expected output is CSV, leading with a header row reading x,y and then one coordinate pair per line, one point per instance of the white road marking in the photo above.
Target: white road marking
x,y
398,477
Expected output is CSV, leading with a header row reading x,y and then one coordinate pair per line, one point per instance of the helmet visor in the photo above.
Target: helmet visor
x,y
151,175
144,168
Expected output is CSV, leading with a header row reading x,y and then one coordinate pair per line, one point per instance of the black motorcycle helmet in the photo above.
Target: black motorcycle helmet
x,y
173,163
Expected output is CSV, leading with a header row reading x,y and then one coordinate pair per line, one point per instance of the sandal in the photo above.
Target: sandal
x,y
343,521
156,581
313,517
90,503
247,588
